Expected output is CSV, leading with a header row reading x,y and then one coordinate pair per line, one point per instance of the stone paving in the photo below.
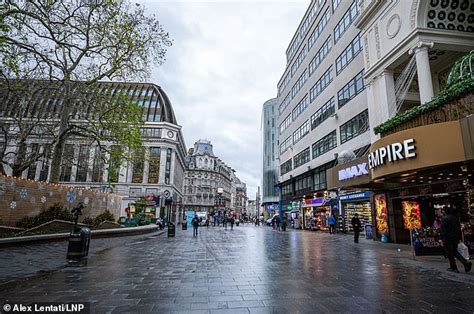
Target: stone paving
x,y
251,270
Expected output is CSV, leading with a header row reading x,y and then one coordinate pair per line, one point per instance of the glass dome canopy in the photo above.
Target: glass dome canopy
x,y
43,102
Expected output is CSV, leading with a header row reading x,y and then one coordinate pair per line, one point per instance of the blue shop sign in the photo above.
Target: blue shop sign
x,y
353,196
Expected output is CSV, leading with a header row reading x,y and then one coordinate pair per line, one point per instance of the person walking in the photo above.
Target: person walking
x,y
224,222
451,235
232,221
195,223
356,224
216,219
332,223
277,222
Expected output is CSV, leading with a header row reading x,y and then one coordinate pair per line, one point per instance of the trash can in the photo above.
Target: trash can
x,y
171,230
368,231
185,226
79,241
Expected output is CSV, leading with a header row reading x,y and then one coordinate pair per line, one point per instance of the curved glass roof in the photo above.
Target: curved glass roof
x,y
43,101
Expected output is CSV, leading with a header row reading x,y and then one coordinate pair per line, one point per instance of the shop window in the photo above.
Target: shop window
x,y
138,165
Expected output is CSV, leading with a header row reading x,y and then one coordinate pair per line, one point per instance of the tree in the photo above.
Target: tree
x,y
76,44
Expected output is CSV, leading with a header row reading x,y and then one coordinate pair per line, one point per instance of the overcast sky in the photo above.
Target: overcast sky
x,y
225,62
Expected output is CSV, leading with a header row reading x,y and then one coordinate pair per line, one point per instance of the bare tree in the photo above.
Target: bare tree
x,y
77,44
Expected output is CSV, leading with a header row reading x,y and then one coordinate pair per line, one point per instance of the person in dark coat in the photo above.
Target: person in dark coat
x,y
451,235
356,224
195,223
232,221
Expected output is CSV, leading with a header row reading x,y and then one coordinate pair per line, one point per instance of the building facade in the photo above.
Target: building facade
x,y
270,165
157,172
207,181
322,106
419,62
240,204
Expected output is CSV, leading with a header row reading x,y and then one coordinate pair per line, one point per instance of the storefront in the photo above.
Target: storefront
x,y
424,170
355,203
315,211
353,182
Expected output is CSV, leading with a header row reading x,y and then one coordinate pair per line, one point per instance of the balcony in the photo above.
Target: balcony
x,y
455,102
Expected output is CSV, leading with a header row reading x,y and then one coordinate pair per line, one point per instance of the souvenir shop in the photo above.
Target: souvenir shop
x,y
355,203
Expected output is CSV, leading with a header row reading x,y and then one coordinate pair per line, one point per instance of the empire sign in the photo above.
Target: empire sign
x,y
392,152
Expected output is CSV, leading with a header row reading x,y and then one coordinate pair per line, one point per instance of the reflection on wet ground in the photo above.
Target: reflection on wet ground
x,y
250,269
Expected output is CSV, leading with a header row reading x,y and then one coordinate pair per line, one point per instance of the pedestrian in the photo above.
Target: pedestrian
x,y
195,223
356,224
277,222
224,222
216,219
451,235
232,221
285,221
332,223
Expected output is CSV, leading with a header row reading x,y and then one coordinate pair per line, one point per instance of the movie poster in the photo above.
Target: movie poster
x,y
411,215
381,214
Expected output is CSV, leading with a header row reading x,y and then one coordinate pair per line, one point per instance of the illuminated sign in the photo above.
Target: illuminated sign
x,y
392,152
354,171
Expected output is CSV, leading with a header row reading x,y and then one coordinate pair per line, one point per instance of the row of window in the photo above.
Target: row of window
x,y
325,144
285,144
320,55
319,28
300,107
339,30
285,167
335,4
349,130
286,123
321,84
351,89
284,83
354,127
299,60
302,31
147,132
299,83
302,158
349,53
346,21
285,103
301,132
323,113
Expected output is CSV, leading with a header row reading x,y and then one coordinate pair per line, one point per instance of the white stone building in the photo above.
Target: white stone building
x,y
159,171
322,100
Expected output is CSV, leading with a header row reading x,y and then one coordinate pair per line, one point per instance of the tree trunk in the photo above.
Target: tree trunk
x,y
62,135
17,168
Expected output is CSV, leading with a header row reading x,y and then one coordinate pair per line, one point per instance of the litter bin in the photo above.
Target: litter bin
x,y
185,225
368,231
171,230
79,241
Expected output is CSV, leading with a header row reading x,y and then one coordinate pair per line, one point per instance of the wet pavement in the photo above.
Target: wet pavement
x,y
250,270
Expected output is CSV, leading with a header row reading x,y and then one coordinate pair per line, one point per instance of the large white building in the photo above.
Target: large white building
x,y
209,185
322,100
158,172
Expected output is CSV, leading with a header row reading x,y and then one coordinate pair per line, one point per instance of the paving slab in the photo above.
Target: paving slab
x,y
247,270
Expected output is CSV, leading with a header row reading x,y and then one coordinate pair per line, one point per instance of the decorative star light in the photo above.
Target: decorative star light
x,y
70,196
23,193
12,204
43,199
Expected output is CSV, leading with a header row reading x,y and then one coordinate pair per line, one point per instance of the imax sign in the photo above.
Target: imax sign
x,y
354,171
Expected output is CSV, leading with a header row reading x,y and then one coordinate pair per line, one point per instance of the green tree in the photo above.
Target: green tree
x,y
77,44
